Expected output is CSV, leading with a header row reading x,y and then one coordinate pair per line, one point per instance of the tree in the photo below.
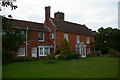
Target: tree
x,y
65,49
6,3
106,39
10,40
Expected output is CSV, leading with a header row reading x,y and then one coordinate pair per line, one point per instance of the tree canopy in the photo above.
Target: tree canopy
x,y
106,39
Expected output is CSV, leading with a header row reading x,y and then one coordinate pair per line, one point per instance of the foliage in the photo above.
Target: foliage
x,y
57,52
10,39
6,56
6,3
65,49
49,57
112,52
68,56
65,53
107,38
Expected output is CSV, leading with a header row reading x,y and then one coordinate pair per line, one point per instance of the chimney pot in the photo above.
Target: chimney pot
x,y
59,15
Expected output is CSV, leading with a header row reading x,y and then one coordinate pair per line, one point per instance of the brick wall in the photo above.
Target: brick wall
x,y
72,39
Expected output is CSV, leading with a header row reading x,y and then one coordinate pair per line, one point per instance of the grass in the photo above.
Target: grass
x,y
91,67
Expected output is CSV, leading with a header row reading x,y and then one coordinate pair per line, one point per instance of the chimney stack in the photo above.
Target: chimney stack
x,y
59,15
47,12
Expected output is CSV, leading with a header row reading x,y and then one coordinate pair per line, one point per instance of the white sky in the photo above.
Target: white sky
x,y
93,13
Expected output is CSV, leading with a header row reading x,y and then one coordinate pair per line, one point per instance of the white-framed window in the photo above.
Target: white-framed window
x,y
87,40
47,50
66,36
34,52
41,37
44,50
41,50
21,51
77,38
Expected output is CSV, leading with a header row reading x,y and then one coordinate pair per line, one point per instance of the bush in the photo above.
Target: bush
x,y
112,52
68,56
6,56
57,52
49,57
65,49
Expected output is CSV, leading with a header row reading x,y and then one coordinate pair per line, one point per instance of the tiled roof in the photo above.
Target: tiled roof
x,y
31,25
70,27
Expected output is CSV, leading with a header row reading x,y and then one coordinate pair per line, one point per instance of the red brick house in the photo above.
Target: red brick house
x,y
46,38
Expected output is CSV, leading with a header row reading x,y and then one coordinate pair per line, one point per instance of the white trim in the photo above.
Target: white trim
x,y
43,47
52,22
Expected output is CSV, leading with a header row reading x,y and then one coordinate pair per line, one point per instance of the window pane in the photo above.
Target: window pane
x,y
21,51
66,36
47,50
22,32
34,52
41,51
87,40
41,36
77,38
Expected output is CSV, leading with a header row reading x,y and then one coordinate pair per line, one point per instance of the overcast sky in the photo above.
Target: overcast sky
x,y
93,13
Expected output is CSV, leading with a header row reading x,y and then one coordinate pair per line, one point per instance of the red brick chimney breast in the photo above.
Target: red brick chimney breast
x,y
47,12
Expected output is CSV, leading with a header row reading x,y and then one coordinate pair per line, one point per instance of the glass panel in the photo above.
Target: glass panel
x,y
34,52
21,51
22,32
41,51
66,36
77,38
47,50
41,36
87,40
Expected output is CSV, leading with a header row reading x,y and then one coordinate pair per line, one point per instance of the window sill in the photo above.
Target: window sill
x,y
42,55
21,55
40,41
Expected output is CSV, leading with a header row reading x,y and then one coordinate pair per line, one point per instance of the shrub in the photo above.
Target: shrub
x,y
69,56
49,57
57,52
65,49
6,56
112,52
56,56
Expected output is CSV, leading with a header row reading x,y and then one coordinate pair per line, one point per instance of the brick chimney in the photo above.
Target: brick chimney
x,y
47,12
59,15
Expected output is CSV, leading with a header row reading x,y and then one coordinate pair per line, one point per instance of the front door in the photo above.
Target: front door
x,y
81,48
34,52
83,51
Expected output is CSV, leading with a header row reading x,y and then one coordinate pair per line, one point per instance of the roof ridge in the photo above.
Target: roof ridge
x,y
68,21
27,21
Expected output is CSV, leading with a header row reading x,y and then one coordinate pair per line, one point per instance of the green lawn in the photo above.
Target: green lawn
x,y
91,67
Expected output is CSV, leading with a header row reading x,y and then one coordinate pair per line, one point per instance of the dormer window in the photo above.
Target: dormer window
x,y
41,37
